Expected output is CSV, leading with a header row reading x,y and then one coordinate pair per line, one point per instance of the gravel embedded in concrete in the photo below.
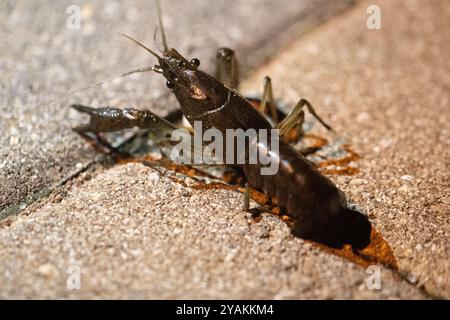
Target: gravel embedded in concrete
x,y
386,91
42,61
137,234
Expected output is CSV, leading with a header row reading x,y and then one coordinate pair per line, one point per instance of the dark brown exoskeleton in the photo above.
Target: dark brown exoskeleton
x,y
318,207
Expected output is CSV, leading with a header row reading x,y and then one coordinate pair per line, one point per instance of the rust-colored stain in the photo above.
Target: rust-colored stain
x,y
377,252
349,171
319,142
352,156
342,164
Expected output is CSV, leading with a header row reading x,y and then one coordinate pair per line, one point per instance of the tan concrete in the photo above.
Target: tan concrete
x,y
136,234
386,91
42,63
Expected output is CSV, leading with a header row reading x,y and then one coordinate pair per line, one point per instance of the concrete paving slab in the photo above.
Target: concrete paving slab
x,y
386,91
136,234
133,233
42,61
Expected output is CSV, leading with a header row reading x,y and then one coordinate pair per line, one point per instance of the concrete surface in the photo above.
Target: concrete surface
x,y
42,62
388,92
137,234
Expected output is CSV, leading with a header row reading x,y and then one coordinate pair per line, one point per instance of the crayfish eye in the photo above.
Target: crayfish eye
x,y
195,62
170,84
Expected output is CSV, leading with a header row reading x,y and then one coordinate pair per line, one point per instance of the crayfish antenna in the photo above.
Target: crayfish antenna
x,y
141,45
97,84
163,34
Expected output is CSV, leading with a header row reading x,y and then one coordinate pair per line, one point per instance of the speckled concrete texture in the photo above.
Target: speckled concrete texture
x,y
387,91
42,62
135,233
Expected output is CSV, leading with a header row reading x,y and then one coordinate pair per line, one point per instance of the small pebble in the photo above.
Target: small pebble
x,y
48,270
357,182
154,177
411,278
13,141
